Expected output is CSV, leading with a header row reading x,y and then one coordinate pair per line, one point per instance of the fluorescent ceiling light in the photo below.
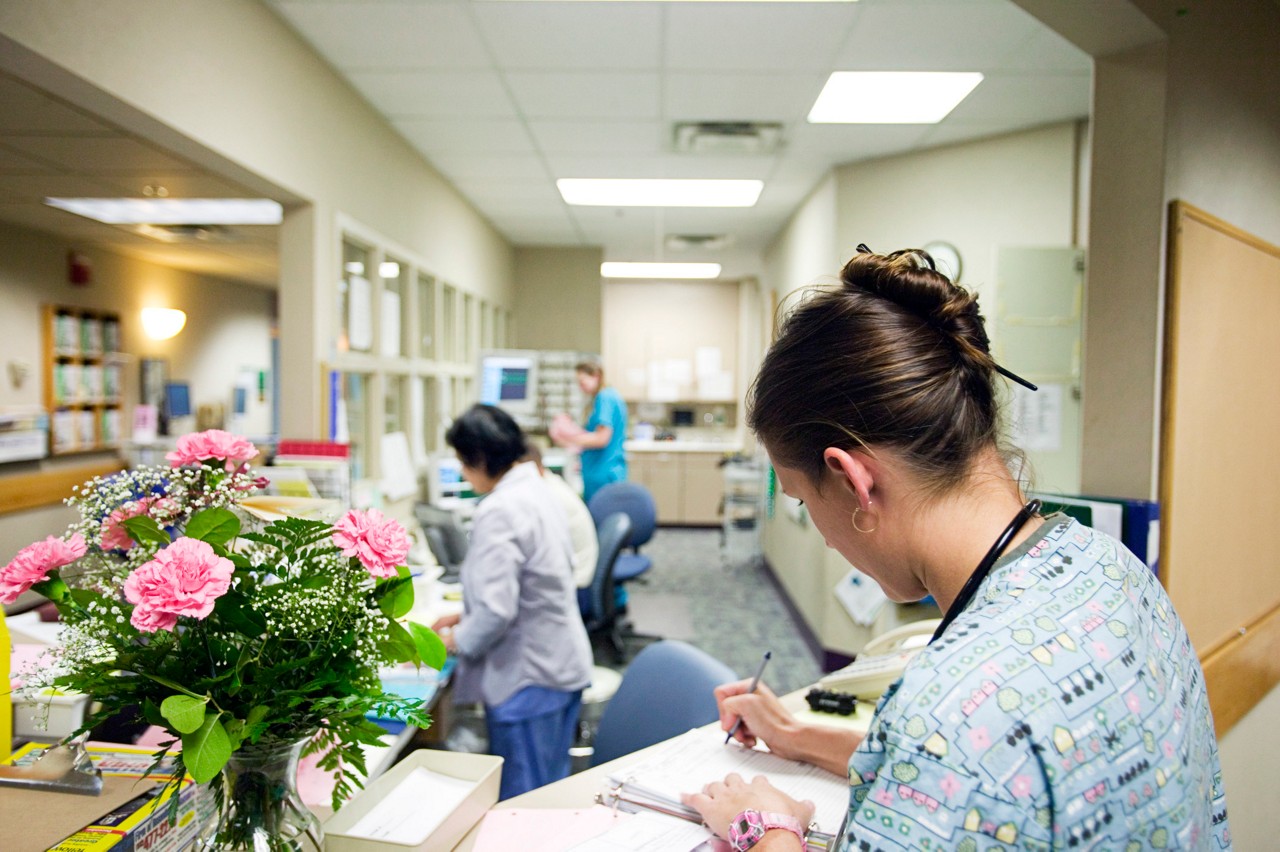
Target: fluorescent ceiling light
x,y
619,269
174,211
891,97
660,192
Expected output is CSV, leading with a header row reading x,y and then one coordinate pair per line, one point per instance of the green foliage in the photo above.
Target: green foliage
x,y
292,650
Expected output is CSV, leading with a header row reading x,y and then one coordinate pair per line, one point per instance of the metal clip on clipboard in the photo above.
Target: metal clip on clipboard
x,y
618,798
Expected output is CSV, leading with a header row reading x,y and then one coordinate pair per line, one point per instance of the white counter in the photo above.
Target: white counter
x,y
683,446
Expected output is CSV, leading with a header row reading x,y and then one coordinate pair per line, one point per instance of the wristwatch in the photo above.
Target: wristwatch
x,y
749,826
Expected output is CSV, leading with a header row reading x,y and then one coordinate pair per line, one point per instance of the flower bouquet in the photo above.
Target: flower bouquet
x,y
239,636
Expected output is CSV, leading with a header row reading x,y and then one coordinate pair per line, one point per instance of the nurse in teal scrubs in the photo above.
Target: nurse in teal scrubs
x,y
603,458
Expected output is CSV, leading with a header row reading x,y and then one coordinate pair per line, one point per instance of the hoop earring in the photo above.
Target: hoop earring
x,y
854,520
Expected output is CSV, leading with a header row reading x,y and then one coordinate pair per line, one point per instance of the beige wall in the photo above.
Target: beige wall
x,y
892,203
1014,190
228,329
229,77
1222,154
558,298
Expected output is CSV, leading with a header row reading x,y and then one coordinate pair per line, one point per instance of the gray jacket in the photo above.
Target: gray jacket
x,y
520,625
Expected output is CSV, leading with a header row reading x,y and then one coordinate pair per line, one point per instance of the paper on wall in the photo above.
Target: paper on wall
x,y
716,385
399,474
359,314
390,339
861,597
1037,418
707,361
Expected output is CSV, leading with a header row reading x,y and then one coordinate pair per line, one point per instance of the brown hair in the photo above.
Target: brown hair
x,y
896,356
593,369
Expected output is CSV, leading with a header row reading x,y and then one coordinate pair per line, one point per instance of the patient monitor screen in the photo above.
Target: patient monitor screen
x,y
508,381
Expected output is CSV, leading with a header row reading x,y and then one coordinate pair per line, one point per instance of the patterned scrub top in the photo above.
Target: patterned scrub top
x,y
1063,709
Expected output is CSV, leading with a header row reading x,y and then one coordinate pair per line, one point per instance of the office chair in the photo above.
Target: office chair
x,y
667,689
597,602
636,501
445,537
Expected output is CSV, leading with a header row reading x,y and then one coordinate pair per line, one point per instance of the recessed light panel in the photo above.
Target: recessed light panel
x,y
174,211
661,192
891,97
619,269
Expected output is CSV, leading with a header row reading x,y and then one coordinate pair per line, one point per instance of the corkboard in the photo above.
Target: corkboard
x,y
1220,451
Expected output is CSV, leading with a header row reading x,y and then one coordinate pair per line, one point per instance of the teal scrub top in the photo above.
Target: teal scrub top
x,y
609,463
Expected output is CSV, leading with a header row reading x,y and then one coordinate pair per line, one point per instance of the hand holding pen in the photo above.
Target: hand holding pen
x,y
755,684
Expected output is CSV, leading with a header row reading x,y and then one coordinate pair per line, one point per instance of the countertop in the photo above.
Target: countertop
x,y
684,446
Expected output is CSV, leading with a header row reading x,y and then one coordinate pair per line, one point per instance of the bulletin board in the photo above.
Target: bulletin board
x,y
1220,454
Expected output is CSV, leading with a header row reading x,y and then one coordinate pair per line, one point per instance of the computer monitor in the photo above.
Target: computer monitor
x,y
509,380
177,399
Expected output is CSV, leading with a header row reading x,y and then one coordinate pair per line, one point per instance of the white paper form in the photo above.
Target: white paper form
x,y
401,818
647,833
691,761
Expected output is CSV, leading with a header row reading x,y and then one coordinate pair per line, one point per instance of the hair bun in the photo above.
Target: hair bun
x,y
909,279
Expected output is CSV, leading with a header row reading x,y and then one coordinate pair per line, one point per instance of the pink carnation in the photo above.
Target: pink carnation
x,y
212,444
34,562
379,543
114,535
185,578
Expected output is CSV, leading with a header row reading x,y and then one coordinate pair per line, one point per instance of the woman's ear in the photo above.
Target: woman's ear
x,y
853,471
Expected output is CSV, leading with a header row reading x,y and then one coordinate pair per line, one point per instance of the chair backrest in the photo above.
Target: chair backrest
x,y
667,689
632,498
444,533
612,533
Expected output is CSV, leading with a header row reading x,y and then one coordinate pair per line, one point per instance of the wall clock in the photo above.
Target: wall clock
x,y
945,257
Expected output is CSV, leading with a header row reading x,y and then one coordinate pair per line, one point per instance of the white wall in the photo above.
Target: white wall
x,y
1014,190
228,328
1222,150
230,77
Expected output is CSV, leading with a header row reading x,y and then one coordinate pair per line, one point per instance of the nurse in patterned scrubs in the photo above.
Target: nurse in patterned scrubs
x,y
1060,705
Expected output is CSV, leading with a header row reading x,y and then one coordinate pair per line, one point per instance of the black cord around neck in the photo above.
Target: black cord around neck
x,y
980,573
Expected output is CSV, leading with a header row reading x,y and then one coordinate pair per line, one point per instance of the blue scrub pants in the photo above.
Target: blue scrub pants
x,y
532,732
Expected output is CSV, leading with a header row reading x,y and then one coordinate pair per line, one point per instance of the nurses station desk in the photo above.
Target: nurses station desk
x,y
580,790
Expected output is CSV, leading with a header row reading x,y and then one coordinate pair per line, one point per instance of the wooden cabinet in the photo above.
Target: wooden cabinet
x,y
687,487
82,379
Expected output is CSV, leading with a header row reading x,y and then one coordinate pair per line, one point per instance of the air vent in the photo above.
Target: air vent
x,y
727,137
195,234
702,242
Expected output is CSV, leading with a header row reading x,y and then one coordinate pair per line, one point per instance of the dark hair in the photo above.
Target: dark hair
x,y
486,438
896,356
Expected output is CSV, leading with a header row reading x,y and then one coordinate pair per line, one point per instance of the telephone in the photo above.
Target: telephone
x,y
882,661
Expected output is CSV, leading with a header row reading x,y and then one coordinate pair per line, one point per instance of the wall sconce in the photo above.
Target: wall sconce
x,y
162,323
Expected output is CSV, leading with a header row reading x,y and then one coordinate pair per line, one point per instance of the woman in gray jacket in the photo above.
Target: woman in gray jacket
x,y
522,649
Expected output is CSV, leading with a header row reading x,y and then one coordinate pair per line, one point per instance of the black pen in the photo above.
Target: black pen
x,y
755,682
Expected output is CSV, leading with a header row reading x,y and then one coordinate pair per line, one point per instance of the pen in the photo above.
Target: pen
x,y
755,682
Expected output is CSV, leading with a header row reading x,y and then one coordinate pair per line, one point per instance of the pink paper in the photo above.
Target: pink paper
x,y
23,657
543,830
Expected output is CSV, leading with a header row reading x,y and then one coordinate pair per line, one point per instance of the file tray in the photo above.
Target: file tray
x,y
425,803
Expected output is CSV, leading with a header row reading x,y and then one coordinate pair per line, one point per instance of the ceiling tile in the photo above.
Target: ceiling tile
x,y
561,36
488,188
724,96
941,35
434,136
592,136
100,155
1046,52
607,94
388,35
844,142
435,94
756,36
665,166
1007,101
462,166
25,110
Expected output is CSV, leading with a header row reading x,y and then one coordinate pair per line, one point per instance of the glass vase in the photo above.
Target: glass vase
x,y
258,806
